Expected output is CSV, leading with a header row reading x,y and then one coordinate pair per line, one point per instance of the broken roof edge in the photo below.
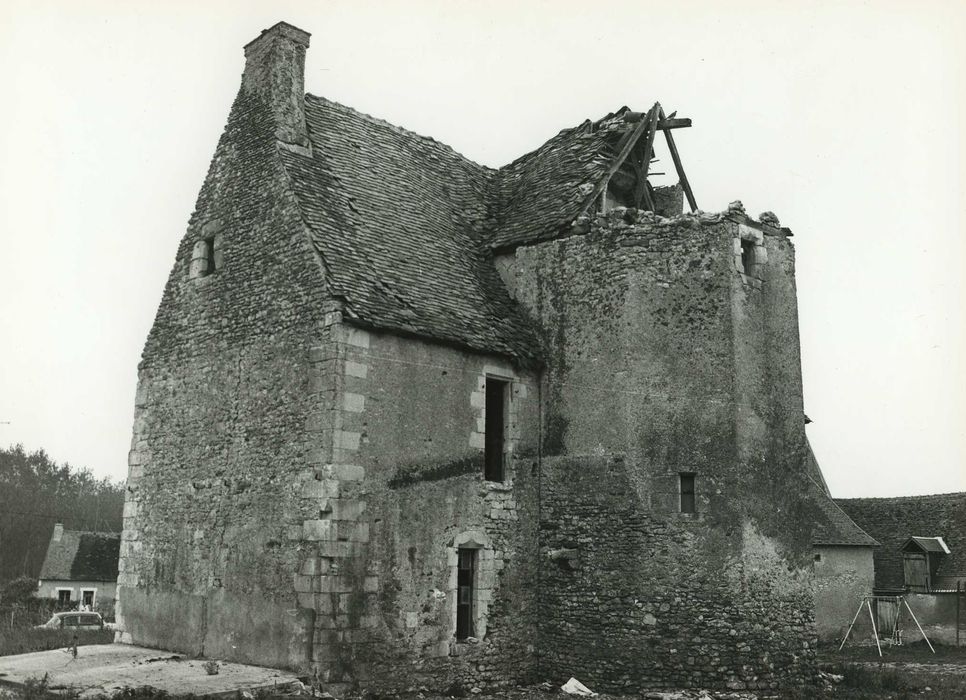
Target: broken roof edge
x,y
583,224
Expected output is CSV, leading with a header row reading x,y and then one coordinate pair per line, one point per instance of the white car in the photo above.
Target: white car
x,y
75,621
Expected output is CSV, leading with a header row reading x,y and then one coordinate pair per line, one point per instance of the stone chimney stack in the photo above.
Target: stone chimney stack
x,y
275,71
58,531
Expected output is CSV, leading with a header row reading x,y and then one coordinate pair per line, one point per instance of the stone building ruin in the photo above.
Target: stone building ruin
x,y
404,419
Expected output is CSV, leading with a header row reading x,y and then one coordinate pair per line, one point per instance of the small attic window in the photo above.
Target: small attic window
x,y
206,257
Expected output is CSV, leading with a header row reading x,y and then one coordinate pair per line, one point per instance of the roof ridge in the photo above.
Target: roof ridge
x,y
905,498
401,130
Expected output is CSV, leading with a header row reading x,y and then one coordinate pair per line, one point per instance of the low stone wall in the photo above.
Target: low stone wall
x,y
936,613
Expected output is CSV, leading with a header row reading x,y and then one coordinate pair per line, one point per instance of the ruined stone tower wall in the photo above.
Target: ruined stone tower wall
x,y
658,366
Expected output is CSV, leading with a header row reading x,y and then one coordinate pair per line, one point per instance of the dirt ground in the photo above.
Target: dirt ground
x,y
107,669
856,673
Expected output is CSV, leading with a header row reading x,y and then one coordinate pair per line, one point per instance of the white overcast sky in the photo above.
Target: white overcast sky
x,y
844,118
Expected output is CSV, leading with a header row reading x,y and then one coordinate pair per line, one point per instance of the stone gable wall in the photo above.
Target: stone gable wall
x,y
218,453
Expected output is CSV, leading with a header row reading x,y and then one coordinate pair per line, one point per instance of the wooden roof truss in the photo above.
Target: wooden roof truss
x,y
636,149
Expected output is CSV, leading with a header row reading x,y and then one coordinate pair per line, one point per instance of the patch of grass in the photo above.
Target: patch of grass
x,y
874,682
917,652
878,679
23,640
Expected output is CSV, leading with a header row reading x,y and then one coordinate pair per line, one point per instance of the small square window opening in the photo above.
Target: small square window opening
x,y
687,492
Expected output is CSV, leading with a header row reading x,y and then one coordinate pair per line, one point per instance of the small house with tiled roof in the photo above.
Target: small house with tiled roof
x,y
403,419
80,569
842,554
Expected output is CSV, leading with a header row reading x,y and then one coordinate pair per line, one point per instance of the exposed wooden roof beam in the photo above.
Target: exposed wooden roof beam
x,y
629,144
682,178
665,122
643,190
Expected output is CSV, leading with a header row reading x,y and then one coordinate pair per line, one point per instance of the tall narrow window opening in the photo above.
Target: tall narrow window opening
x,y
687,493
63,596
209,256
465,581
748,256
493,450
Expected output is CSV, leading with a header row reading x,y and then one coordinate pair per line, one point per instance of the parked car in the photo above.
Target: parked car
x,y
75,621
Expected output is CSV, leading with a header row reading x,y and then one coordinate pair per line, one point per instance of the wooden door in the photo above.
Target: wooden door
x,y
916,570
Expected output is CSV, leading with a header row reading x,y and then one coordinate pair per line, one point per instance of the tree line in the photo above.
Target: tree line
x,y
35,493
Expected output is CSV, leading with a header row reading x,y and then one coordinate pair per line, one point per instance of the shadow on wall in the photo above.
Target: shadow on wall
x,y
247,629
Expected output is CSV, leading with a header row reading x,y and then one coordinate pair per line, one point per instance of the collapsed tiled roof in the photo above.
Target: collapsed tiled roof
x,y
82,556
542,192
893,521
405,226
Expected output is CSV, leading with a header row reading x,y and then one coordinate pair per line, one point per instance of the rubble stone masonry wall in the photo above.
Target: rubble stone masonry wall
x,y
660,362
409,447
218,457
299,487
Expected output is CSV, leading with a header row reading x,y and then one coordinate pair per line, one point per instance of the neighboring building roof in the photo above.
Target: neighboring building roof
x,y
82,556
835,527
893,521
813,469
928,544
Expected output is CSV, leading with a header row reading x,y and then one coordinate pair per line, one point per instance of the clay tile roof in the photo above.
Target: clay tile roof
x,y
398,220
894,521
835,527
82,556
